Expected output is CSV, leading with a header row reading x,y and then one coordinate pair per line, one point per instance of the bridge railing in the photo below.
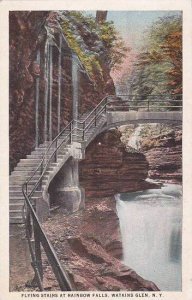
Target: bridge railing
x,y
150,103
91,119
75,128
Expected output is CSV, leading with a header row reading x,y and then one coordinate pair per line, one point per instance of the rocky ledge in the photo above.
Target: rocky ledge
x,y
88,245
88,242
164,154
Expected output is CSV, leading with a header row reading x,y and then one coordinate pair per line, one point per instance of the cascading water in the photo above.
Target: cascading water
x,y
134,140
150,224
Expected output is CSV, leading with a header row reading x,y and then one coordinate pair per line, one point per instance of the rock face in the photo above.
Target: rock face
x,y
164,154
27,36
88,242
162,146
89,249
109,169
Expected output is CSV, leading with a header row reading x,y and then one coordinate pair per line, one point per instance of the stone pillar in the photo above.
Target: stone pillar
x,y
75,93
67,190
75,85
50,90
37,103
46,79
59,87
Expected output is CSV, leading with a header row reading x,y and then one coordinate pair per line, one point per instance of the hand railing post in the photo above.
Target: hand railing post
x,y
26,188
71,132
40,183
95,117
38,251
56,150
83,130
106,105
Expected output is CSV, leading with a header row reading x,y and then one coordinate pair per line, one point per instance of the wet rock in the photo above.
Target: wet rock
x,y
90,258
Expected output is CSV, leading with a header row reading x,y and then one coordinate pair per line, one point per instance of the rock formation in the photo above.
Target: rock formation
x,y
162,147
28,35
89,249
109,169
164,154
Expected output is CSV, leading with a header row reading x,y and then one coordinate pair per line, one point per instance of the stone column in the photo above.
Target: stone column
x,y
75,85
46,79
37,103
75,92
67,190
59,87
50,90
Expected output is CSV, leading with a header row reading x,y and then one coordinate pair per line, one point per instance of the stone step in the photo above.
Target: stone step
x,y
40,151
25,177
24,172
17,194
35,156
16,206
21,182
29,161
26,168
44,145
16,220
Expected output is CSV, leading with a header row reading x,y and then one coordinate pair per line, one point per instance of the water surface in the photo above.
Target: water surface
x,y
150,224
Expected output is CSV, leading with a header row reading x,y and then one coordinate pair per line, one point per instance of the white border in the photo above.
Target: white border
x,y
185,6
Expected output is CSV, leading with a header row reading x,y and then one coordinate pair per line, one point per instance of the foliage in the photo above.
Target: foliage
x,y
159,66
95,43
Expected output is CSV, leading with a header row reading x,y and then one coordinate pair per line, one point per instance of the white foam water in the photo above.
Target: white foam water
x,y
150,224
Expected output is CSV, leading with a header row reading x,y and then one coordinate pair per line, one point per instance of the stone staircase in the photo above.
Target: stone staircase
x,y
28,166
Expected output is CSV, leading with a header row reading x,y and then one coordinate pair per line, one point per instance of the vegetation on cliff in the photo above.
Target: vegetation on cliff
x,y
96,43
158,67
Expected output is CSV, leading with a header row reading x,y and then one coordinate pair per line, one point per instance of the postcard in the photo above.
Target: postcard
x,y
96,138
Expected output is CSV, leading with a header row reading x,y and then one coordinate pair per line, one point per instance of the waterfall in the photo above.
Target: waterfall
x,y
134,140
150,223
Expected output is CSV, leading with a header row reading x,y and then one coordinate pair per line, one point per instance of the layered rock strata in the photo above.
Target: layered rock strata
x,y
164,154
108,168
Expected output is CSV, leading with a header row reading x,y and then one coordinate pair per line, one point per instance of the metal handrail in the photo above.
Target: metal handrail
x,y
61,276
104,99
46,152
163,95
57,147
149,100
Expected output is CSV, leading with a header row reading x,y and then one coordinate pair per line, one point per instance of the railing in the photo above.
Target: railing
x,y
75,129
91,119
152,103
35,230
33,226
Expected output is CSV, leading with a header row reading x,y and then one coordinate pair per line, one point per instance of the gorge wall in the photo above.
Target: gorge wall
x,y
164,154
28,35
162,146
108,168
